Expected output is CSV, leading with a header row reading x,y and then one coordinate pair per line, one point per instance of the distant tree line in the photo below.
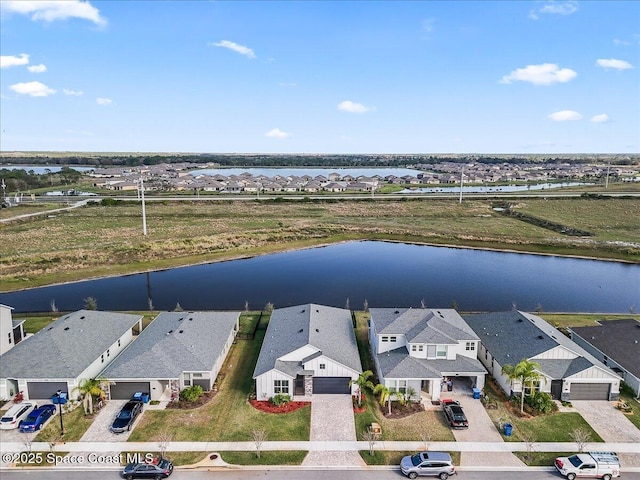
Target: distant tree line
x,y
21,180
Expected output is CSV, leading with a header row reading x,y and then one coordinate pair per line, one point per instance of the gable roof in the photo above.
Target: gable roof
x,y
617,339
513,336
328,329
435,326
398,364
66,347
173,343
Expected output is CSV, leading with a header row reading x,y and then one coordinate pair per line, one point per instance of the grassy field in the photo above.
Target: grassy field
x,y
97,240
75,424
565,320
280,457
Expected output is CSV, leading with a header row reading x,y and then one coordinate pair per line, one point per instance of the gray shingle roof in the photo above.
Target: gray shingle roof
x,y
66,347
617,339
398,364
173,343
328,329
436,326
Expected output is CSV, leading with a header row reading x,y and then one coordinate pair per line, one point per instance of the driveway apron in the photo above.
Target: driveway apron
x,y
332,419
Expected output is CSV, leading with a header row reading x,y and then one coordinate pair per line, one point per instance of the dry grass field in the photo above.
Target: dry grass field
x,y
98,240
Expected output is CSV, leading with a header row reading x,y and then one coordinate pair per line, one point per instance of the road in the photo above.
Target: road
x,y
292,473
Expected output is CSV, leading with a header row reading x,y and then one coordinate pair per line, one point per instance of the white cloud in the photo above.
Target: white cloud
x,y
613,63
7,61
37,68
602,118
33,89
354,107
75,93
52,10
277,133
565,116
617,41
544,74
560,8
241,49
103,101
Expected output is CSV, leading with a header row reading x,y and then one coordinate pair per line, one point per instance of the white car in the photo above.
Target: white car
x,y
13,417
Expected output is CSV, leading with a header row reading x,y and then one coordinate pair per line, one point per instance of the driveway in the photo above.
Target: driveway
x,y
99,429
332,419
611,424
481,429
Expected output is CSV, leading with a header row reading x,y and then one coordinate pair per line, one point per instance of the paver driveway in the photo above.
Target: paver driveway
x,y
332,420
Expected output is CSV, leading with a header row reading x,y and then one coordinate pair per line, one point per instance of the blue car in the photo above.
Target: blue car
x,y
37,418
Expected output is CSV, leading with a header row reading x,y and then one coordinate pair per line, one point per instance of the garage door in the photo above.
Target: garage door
x,y
125,390
331,385
42,390
589,391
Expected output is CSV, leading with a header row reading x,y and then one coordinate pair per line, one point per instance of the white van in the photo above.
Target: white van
x,y
14,416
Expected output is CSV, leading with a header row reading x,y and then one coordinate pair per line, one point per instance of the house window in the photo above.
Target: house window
x,y
196,375
323,366
402,386
118,342
108,353
385,339
9,337
186,379
527,388
421,348
470,346
102,358
392,339
431,351
441,351
281,386
414,348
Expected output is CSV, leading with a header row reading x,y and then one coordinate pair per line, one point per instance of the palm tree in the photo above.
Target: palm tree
x,y
526,372
89,388
363,382
385,395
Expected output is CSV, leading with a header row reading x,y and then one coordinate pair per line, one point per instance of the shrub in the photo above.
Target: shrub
x,y
541,402
280,399
191,394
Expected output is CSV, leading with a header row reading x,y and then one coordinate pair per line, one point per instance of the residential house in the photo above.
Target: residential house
x,y
176,350
74,348
11,331
616,343
308,349
567,371
419,349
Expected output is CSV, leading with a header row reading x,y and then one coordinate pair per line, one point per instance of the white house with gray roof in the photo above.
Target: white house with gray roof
x,y
308,349
418,348
176,350
568,372
75,347
11,331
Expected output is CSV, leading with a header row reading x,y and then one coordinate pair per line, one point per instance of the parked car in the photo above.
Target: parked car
x,y
454,413
434,464
605,465
127,415
16,414
162,469
37,418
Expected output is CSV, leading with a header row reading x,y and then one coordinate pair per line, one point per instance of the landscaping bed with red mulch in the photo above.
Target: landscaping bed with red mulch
x,y
268,407
362,408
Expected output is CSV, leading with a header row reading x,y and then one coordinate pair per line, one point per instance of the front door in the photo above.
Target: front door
x,y
556,389
425,385
299,386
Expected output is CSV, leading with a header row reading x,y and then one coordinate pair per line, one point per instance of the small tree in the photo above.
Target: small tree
x,y
191,394
426,436
246,305
526,372
178,308
581,436
150,303
371,438
365,305
88,389
346,304
385,395
54,307
164,439
423,304
90,303
363,382
268,307
259,437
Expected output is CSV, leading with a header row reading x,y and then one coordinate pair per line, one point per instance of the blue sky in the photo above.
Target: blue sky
x,y
321,77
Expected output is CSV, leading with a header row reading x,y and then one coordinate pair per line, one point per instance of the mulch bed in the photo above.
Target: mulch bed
x,y
205,398
401,411
362,408
268,407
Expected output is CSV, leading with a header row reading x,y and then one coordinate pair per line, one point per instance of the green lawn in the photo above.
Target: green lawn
x,y
75,424
280,457
564,320
634,417
228,417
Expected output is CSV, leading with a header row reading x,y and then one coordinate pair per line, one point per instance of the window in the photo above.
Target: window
x,y
421,348
441,351
414,348
392,339
102,358
402,386
527,387
186,379
108,353
196,375
385,339
118,342
431,351
281,386
323,366
9,337
470,346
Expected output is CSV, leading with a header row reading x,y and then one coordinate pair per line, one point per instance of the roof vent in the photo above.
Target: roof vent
x,y
303,310
540,337
397,311
317,311
317,330
181,331
82,317
66,328
180,319
190,318
170,331
301,330
496,334
520,320
50,328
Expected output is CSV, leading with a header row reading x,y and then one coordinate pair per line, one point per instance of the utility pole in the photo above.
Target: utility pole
x,y
606,181
144,212
461,182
